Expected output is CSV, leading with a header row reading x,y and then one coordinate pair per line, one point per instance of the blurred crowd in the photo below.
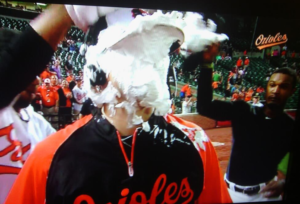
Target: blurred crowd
x,y
59,97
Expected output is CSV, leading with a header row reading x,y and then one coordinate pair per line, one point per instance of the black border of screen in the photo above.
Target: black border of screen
x,y
285,9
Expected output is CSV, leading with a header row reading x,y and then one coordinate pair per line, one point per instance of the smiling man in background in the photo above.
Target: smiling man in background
x,y
261,136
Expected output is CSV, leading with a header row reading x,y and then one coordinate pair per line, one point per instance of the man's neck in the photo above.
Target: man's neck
x,y
120,119
272,113
17,108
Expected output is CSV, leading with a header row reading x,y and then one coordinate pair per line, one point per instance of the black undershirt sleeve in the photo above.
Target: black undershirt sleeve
x,y
62,97
86,107
206,106
24,59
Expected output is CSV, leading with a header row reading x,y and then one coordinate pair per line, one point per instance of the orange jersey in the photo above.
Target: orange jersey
x,y
260,90
46,74
214,183
30,186
239,62
56,87
69,79
48,96
242,95
249,95
246,61
235,97
229,76
67,91
184,88
188,91
215,85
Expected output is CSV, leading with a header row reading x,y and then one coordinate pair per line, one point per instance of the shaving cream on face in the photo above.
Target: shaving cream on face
x,y
136,58
138,64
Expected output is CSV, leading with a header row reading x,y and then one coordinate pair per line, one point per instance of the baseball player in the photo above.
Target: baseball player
x,y
261,135
132,150
20,127
26,54
18,139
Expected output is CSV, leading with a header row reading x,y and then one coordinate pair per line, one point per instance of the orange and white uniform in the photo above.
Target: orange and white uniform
x,y
87,162
17,139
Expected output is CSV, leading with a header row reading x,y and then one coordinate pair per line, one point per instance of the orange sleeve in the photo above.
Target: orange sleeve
x,y
214,188
188,91
30,185
42,75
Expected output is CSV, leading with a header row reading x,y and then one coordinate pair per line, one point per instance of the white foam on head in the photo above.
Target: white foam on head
x,y
135,55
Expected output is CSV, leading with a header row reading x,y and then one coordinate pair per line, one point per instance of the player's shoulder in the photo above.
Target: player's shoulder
x,y
49,145
195,133
175,120
241,104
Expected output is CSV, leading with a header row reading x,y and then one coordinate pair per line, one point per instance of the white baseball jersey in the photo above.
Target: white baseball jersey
x,y
186,107
259,104
79,96
17,139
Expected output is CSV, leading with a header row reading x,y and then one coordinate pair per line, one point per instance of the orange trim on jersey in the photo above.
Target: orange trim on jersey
x,y
9,170
214,188
33,176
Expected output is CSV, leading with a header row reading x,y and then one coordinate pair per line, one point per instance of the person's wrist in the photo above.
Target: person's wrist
x,y
79,16
208,65
205,60
282,181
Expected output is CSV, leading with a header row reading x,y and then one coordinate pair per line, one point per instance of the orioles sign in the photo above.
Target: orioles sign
x,y
270,41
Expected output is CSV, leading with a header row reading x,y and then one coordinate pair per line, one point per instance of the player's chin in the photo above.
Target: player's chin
x,y
274,105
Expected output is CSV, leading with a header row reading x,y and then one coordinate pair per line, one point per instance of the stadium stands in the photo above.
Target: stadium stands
x,y
256,72
255,75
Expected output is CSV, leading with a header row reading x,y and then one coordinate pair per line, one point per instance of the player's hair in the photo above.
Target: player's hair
x,y
6,37
288,71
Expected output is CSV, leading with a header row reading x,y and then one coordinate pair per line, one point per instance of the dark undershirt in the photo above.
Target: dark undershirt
x,y
258,144
24,59
101,172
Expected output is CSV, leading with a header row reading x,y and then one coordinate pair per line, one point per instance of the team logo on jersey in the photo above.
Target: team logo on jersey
x,y
15,147
172,193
